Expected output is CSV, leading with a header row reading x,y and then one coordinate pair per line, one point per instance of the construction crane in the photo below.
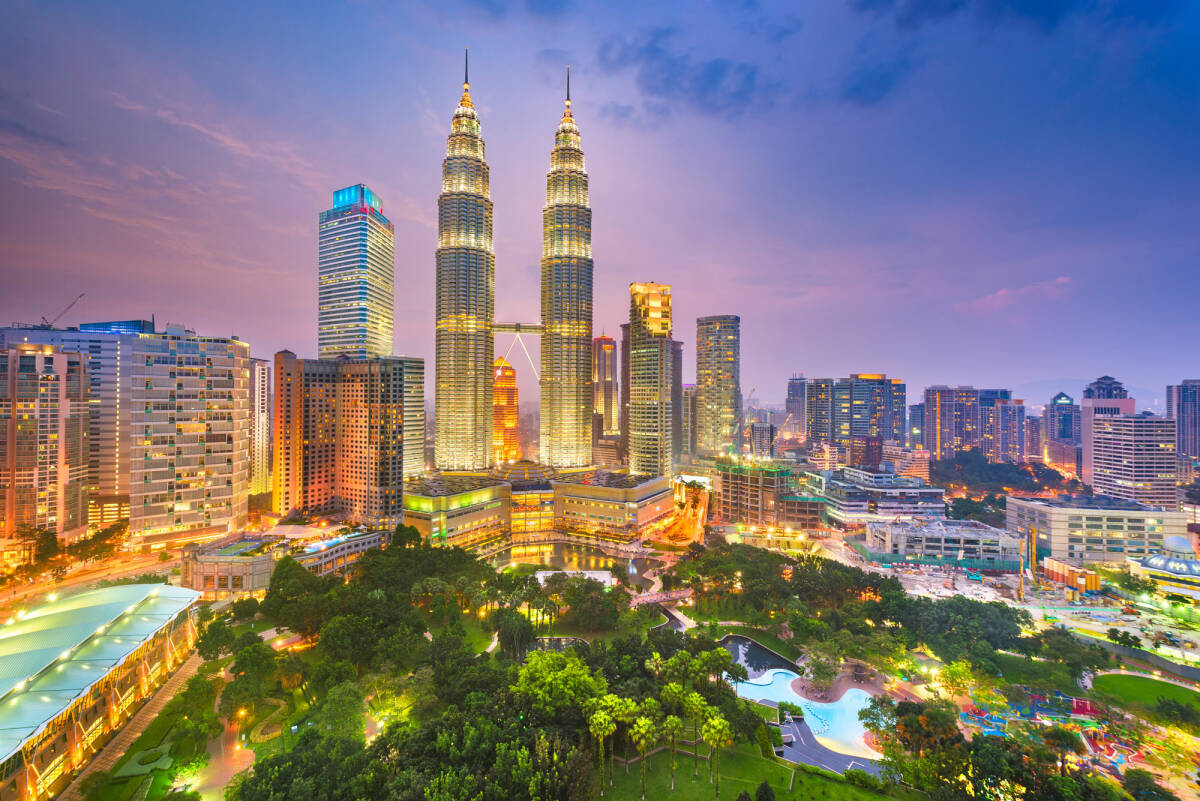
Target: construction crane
x,y
50,323
779,431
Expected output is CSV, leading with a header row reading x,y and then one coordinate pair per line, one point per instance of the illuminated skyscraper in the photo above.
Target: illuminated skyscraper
x,y
718,382
355,277
566,379
605,396
506,426
650,380
260,426
466,299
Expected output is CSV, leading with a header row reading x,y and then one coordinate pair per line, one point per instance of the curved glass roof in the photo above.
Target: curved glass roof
x,y
54,653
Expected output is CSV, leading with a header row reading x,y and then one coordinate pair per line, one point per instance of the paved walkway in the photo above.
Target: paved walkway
x,y
115,748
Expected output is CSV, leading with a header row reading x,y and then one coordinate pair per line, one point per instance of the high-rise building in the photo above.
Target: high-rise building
x,y
414,415
952,420
818,408
605,396
506,430
676,400
793,407
466,299
1133,457
623,391
1060,419
1183,405
339,438
689,419
916,426
1104,396
718,383
1033,439
43,446
260,426
355,276
906,461
566,379
762,440
1002,428
866,452
650,380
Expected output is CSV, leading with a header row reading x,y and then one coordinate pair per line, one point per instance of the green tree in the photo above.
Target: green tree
x,y
671,728
957,678
717,734
1142,785
514,632
601,725
553,682
1062,741
764,792
349,637
696,708
341,715
644,734
215,641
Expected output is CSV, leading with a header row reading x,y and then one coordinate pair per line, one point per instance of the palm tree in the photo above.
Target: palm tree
x,y
624,710
672,696
655,664
671,728
717,734
601,725
644,734
696,708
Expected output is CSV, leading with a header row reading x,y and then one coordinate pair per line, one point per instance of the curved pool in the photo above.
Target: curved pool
x,y
835,725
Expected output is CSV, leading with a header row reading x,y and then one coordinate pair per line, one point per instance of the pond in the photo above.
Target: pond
x,y
562,556
754,657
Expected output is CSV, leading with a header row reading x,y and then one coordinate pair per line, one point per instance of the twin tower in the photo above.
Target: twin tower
x,y
466,301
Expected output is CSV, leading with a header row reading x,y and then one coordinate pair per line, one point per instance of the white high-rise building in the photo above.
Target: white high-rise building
x,y
260,426
1104,396
414,415
1133,457
355,277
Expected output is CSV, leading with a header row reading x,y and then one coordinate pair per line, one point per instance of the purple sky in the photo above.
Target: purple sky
x,y
997,192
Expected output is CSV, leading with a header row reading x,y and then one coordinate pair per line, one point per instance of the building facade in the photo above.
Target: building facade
x,y
355,277
465,303
854,497
339,438
506,427
1002,430
1082,529
1061,419
566,356
945,542
43,446
1105,396
718,383
952,420
650,380
907,461
862,405
414,414
1183,406
1133,457
794,408
260,426
605,394
689,420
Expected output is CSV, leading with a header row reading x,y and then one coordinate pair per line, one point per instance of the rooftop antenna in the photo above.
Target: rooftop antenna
x,y
568,83
466,65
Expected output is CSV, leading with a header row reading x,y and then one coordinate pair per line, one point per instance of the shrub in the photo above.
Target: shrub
x,y
860,778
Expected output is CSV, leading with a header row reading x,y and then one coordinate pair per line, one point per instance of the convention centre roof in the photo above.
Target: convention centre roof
x,y
54,653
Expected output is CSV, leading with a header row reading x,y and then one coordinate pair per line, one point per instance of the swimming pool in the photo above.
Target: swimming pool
x,y
835,725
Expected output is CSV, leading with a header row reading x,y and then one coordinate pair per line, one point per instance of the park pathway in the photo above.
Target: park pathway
x,y
115,748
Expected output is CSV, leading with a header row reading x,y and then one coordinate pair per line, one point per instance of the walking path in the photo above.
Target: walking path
x,y
115,748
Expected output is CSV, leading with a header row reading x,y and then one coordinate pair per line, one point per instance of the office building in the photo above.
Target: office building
x,y
506,429
1061,419
762,440
77,669
1002,429
968,543
862,405
906,461
854,497
689,419
718,383
43,446
676,401
1082,529
355,276
465,305
862,451
566,356
260,426
796,421
1134,458
1183,406
952,420
915,431
413,368
171,410
1033,439
1064,457
339,438
763,493
650,380
1104,396
605,395
818,410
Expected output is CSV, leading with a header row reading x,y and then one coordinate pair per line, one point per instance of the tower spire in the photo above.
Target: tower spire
x,y
567,111
465,102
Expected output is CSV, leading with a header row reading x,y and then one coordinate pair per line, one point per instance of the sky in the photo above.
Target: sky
x,y
1001,193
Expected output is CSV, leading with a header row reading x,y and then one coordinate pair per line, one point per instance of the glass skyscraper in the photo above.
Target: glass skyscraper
x,y
355,277
466,300
650,380
566,380
718,383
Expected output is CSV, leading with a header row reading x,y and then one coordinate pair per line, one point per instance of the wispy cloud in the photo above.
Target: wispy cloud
x,y
1046,15
1007,297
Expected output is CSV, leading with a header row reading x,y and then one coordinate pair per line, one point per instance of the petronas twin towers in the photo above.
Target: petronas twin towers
x,y
466,300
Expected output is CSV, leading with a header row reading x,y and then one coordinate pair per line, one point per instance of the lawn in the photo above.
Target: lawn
x,y
1143,689
1034,674
741,769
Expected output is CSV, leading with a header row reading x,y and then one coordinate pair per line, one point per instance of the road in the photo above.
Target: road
x,y
119,566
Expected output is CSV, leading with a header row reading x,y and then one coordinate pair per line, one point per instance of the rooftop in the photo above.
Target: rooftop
x,y
441,484
55,653
1098,502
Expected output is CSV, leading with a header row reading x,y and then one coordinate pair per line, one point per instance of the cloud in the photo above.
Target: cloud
x,y
1006,298
25,132
870,83
718,86
1043,14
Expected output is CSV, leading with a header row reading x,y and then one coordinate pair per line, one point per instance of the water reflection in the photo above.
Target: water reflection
x,y
753,656
562,556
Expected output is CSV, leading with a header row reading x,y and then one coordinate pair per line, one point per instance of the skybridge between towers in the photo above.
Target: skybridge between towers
x,y
517,330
